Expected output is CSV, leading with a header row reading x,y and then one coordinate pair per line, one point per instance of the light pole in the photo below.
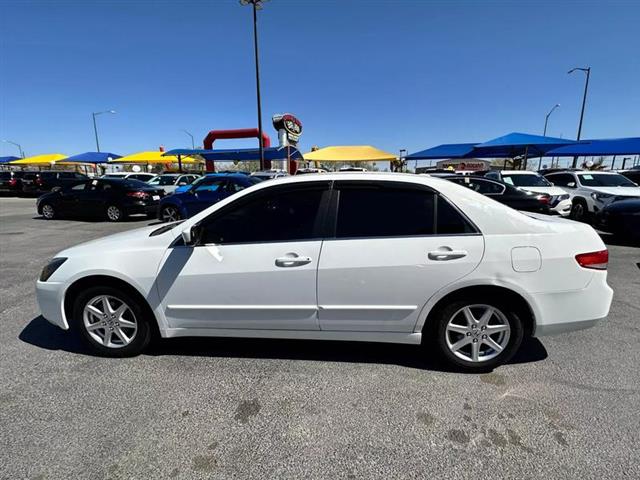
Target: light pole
x,y
193,145
95,127
257,5
403,152
587,70
546,119
17,145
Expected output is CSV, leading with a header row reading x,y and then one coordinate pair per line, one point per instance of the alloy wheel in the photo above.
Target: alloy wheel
x,y
577,212
109,321
170,214
114,213
48,212
477,333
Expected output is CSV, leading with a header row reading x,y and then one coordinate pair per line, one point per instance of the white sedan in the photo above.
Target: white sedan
x,y
339,256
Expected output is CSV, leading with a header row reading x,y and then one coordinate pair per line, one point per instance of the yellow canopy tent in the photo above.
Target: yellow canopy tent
x,y
154,157
349,153
40,160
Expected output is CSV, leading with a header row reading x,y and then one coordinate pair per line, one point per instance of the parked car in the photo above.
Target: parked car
x,y
504,193
363,257
11,181
591,191
169,182
621,218
559,202
304,171
143,177
47,180
113,199
633,175
202,194
269,174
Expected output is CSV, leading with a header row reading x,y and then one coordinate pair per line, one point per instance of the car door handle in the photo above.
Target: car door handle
x,y
446,254
292,260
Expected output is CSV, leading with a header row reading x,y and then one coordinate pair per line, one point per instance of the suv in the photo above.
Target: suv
x,y
527,180
591,191
44,181
11,181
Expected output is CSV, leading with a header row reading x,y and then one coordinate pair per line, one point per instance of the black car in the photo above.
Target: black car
x,y
46,180
621,217
504,193
108,198
633,175
11,181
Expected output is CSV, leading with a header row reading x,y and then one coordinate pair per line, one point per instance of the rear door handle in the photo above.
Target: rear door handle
x,y
446,254
292,260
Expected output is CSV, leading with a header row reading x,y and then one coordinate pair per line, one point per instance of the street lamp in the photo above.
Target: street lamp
x,y
193,145
17,145
546,119
95,128
403,152
257,5
586,70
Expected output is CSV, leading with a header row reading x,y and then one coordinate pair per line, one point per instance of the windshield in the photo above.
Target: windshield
x,y
525,180
130,183
164,180
604,180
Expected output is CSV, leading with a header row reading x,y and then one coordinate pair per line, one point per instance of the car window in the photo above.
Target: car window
x,y
234,186
210,185
633,176
5,175
561,179
484,187
79,187
132,183
384,211
450,221
604,180
525,180
275,215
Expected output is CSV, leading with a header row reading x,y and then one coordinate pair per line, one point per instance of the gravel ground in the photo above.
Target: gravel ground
x,y
566,407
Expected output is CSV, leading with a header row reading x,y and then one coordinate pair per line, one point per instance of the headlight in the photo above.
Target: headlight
x,y
52,266
600,196
563,197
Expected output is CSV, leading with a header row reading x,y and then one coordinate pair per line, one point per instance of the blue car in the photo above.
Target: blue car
x,y
201,194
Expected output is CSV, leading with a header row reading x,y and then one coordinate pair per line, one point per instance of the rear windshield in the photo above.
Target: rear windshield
x,y
5,175
129,183
165,180
524,180
604,180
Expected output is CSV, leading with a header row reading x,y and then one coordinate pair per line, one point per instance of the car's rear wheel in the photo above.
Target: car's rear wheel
x,y
48,212
477,335
111,322
114,213
578,211
170,214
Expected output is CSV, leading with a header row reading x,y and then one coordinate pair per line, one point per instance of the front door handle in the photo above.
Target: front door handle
x,y
446,253
292,260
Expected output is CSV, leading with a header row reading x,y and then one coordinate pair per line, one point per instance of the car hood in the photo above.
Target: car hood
x,y
618,191
629,205
548,190
131,240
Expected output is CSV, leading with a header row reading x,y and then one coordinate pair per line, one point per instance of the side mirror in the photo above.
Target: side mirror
x,y
192,236
571,184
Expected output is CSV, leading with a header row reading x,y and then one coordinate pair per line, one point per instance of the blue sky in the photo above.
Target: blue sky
x,y
394,74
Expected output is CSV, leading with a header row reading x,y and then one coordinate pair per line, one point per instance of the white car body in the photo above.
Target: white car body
x,y
561,206
594,197
178,179
368,289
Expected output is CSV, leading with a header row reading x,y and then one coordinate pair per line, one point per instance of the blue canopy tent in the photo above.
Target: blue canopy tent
x,y
93,157
446,150
605,147
8,159
519,145
239,154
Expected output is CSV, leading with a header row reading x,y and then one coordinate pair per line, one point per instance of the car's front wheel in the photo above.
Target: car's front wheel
x,y
170,213
579,211
478,335
48,212
111,322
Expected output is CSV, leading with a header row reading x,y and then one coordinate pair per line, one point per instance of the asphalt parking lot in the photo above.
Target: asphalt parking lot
x,y
566,406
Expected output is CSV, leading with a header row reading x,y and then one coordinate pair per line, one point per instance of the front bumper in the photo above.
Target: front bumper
x,y
560,312
563,208
50,296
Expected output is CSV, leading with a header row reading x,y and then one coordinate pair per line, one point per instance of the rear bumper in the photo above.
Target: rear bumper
x,y
141,207
560,312
50,296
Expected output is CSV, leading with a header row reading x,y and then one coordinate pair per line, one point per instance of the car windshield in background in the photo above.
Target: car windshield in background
x,y
525,180
165,180
604,180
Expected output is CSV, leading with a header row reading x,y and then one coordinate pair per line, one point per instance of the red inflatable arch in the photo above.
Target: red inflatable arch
x,y
214,135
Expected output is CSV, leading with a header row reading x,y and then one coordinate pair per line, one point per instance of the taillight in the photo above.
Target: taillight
x,y
38,181
13,182
595,260
140,195
546,199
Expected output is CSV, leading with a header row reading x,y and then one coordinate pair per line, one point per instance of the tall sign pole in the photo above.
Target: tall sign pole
x,y
586,70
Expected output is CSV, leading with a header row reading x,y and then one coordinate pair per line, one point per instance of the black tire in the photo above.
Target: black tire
x,y
170,213
141,337
579,211
48,211
114,213
441,336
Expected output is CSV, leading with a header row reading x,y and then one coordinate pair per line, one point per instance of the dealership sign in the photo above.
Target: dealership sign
x,y
289,128
472,164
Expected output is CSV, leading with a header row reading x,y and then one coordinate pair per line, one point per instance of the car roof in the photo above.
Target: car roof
x,y
519,172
